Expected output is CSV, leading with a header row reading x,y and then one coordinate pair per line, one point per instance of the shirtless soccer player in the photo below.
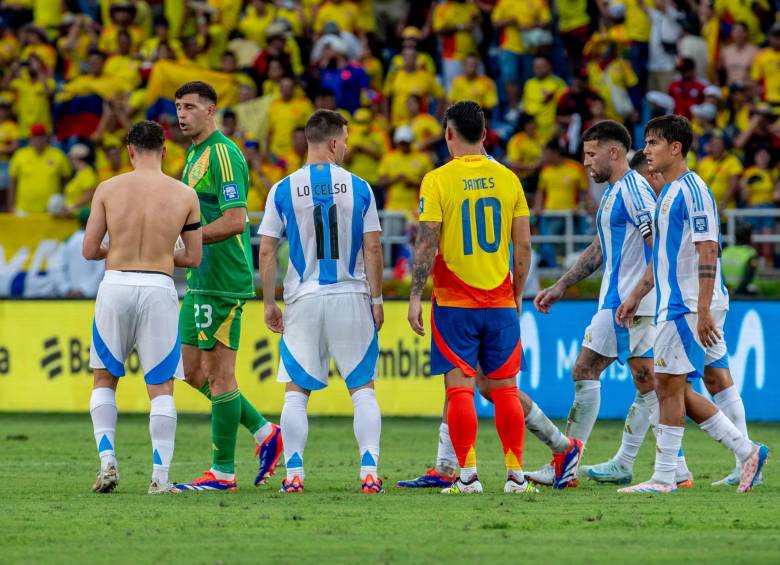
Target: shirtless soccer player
x,y
210,320
144,213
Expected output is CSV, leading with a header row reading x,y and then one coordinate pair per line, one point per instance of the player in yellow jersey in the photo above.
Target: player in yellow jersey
x,y
470,210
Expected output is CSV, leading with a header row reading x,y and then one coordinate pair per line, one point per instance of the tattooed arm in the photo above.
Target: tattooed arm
x,y
590,260
708,260
424,253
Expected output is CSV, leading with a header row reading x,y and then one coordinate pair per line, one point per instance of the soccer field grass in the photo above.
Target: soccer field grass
x,y
48,513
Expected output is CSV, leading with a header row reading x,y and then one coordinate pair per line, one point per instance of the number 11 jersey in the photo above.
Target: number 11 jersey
x,y
323,210
475,198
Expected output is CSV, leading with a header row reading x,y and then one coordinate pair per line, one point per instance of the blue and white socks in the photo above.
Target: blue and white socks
x,y
102,408
368,428
162,429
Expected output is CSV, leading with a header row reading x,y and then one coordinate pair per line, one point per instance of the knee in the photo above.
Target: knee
x,y
583,372
103,379
643,379
484,388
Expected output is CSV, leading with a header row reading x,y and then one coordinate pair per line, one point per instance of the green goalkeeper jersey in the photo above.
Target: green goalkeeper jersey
x,y
218,172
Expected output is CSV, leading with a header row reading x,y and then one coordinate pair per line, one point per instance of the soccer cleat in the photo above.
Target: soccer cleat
x,y
162,488
294,485
544,476
268,454
751,467
565,465
459,487
207,481
107,479
732,479
686,481
431,479
609,472
649,487
370,485
512,485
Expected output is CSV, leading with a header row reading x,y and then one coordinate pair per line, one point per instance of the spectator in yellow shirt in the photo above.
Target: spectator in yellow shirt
x,y
345,13
259,15
540,97
367,145
35,42
524,153
765,70
472,85
122,17
295,158
574,26
408,80
401,171
33,89
162,35
122,66
284,115
79,189
512,18
427,130
563,187
761,191
608,68
111,159
410,37
454,22
721,171
9,142
37,173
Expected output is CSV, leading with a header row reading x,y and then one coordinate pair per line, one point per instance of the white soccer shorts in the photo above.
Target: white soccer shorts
x,y
607,338
317,328
142,310
678,350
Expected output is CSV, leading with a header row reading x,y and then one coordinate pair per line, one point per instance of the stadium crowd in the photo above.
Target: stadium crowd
x,y
74,74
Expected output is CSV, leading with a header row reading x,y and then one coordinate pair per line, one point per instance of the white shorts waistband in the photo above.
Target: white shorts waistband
x,y
138,278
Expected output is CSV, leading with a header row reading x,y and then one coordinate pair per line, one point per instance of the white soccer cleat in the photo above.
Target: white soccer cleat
x,y
751,467
544,476
107,479
609,472
512,485
162,488
459,487
649,487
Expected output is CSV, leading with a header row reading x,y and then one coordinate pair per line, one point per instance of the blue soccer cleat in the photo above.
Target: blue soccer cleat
x,y
566,464
207,481
292,486
268,454
431,479
609,472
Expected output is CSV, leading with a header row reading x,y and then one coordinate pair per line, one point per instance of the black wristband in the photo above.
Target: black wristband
x,y
191,227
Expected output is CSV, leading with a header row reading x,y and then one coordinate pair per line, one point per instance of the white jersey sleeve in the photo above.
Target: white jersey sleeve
x,y
639,199
702,214
371,216
272,224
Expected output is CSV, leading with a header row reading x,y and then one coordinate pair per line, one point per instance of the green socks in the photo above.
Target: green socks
x,y
251,419
225,416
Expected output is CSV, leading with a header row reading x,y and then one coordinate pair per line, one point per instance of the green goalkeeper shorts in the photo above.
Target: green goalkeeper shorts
x,y
205,320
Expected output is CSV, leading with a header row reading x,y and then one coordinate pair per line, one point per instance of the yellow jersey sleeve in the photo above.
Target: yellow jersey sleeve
x,y
521,206
430,200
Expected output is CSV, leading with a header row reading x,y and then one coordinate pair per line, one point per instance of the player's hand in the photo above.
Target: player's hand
x,y
705,327
274,318
626,312
379,315
546,298
415,316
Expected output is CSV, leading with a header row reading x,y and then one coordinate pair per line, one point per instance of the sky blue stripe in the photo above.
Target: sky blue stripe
x,y
657,249
165,369
677,219
634,191
361,194
363,373
623,341
297,373
696,192
321,185
617,227
693,350
112,364
284,205
600,230
720,242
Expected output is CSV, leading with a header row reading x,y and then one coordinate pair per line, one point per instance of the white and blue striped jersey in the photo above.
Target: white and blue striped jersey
x,y
685,215
624,206
323,210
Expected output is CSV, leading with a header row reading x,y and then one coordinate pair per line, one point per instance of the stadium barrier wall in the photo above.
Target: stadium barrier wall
x,y
44,359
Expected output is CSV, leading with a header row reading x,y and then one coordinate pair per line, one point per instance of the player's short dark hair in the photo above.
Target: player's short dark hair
x,y
672,128
638,161
146,136
202,89
468,119
324,125
608,130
